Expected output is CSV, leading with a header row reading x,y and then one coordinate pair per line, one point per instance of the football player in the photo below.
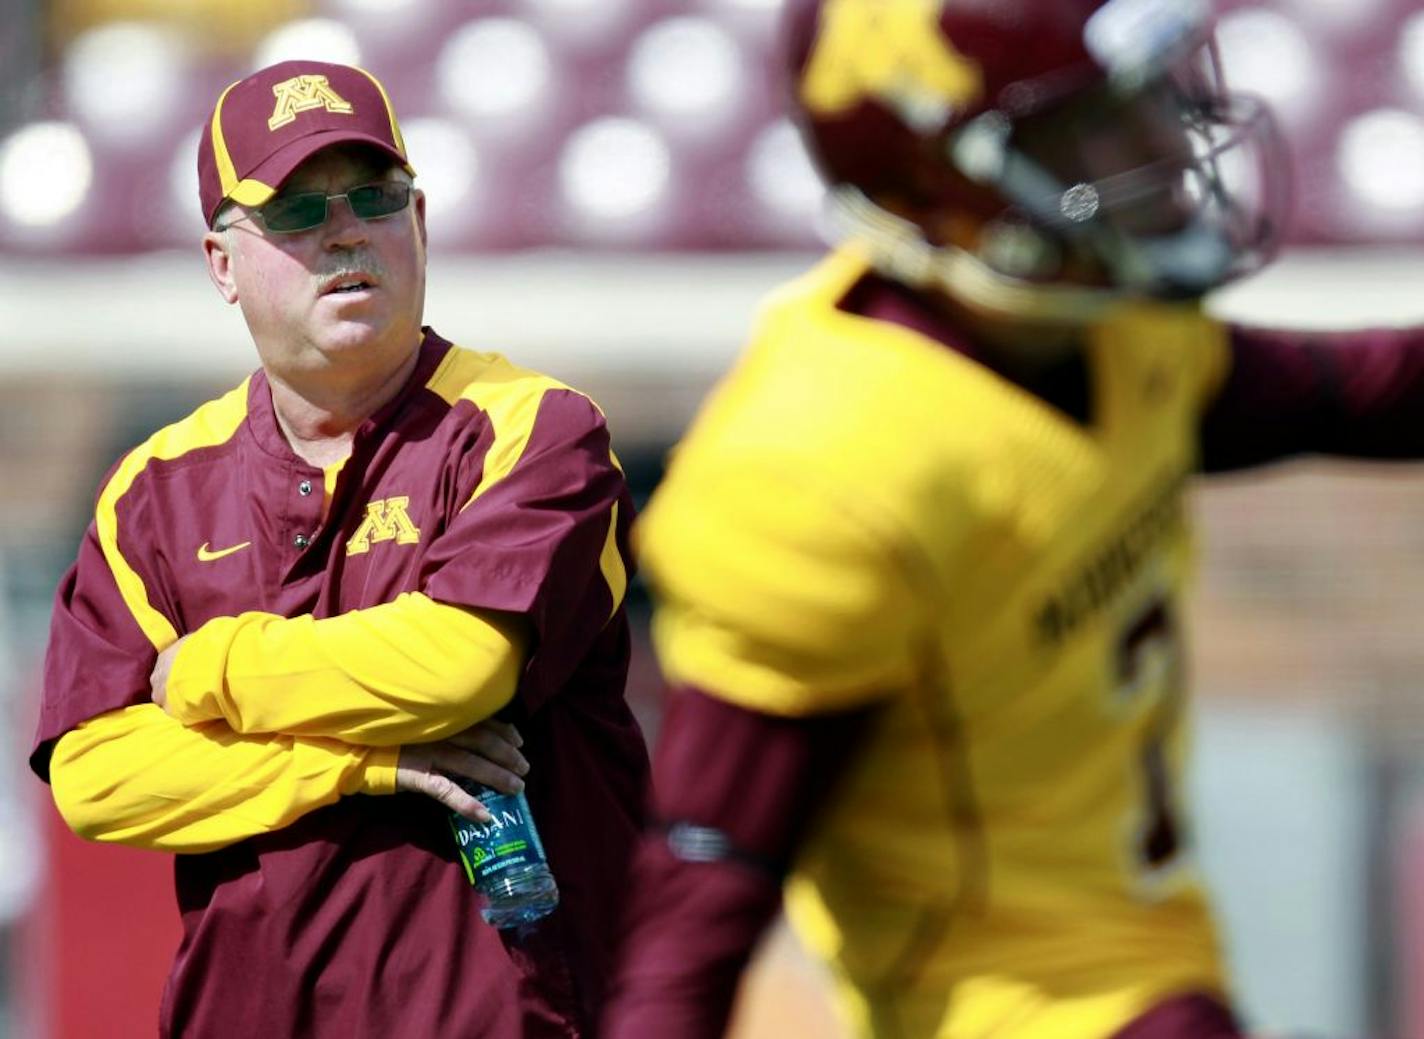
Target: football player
x,y
920,560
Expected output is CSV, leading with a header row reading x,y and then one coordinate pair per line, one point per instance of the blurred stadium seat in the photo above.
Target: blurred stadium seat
x,y
625,124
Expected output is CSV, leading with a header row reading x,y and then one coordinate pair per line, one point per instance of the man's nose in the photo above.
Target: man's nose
x,y
343,228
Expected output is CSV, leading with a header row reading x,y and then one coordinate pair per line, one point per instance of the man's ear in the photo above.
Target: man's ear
x,y
420,215
217,250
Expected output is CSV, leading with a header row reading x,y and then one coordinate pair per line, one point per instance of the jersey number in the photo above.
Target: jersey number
x,y
1150,654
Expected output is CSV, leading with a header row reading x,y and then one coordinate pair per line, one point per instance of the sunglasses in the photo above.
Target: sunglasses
x,y
303,210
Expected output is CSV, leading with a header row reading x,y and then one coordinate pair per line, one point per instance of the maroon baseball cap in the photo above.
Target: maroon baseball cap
x,y
265,126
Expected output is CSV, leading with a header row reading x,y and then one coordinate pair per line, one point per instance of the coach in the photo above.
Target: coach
x,y
298,611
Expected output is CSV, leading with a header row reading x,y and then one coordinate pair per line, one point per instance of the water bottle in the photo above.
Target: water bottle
x,y
504,859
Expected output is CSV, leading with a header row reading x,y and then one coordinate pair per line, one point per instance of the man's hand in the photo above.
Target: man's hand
x,y
158,680
486,753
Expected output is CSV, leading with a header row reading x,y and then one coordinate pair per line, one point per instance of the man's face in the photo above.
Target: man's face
x,y
345,297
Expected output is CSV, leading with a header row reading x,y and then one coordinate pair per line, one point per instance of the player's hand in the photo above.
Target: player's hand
x,y
486,753
158,679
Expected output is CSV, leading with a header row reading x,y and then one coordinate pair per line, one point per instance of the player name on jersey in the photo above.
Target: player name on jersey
x,y
1095,584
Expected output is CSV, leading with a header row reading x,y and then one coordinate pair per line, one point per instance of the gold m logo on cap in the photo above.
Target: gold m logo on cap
x,y
302,93
891,51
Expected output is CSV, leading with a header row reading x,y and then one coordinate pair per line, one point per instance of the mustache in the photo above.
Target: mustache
x,y
354,261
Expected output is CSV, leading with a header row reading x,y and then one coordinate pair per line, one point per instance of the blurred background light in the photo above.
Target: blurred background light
x,y
1265,53
45,173
572,8
447,169
185,221
1381,159
781,175
385,27
1411,52
581,23
1337,15
123,81
315,39
753,21
378,7
614,169
688,71
766,7
495,68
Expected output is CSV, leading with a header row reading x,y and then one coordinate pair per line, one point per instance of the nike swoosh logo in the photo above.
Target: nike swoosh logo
x,y
206,555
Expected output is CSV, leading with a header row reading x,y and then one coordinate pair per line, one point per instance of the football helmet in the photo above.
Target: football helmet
x,y
1037,157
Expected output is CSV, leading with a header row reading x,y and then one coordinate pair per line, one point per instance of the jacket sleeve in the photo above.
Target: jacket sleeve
x,y
136,776
542,533
1286,393
123,771
408,671
104,637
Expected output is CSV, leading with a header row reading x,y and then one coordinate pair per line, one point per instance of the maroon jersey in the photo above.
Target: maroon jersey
x,y
481,485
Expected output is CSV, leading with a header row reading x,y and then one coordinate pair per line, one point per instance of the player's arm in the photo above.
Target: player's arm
x,y
1344,393
409,671
735,792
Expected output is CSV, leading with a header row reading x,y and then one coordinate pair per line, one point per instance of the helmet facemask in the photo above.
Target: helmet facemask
x,y
1168,190
1064,195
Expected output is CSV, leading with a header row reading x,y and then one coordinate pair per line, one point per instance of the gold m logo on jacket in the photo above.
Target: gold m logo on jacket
x,y
301,93
386,520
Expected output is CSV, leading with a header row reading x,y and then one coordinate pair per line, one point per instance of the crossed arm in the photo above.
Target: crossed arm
x,y
259,719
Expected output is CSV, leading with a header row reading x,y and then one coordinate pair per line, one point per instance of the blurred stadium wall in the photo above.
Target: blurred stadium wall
x,y
612,188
